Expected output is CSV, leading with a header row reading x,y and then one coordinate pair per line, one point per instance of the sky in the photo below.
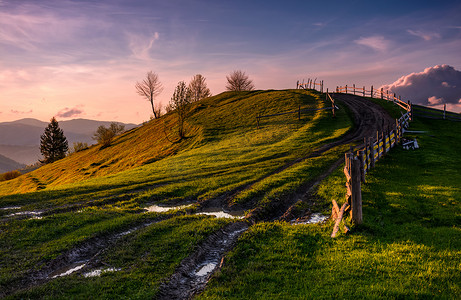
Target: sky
x,y
82,59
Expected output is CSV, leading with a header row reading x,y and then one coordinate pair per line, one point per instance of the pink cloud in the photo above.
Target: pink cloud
x,y
435,85
378,43
69,112
424,35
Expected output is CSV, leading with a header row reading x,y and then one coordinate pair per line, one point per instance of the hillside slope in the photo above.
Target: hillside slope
x,y
225,116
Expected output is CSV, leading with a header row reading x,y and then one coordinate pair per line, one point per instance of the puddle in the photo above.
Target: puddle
x,y
156,208
220,214
25,213
98,272
69,271
10,208
206,269
314,219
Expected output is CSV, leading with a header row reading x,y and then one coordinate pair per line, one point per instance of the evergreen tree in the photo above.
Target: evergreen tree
x,y
53,143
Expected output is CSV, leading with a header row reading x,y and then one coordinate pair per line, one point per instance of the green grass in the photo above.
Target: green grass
x,y
223,151
144,259
408,247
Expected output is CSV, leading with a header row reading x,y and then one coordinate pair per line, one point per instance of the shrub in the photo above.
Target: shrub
x,y
10,175
104,135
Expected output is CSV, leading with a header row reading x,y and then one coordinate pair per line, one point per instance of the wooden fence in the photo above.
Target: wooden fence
x,y
432,113
374,93
358,164
310,84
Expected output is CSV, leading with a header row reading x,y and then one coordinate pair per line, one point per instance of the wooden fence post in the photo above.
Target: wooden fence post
x,y
353,91
372,151
346,88
383,137
363,91
356,199
387,95
297,84
361,156
377,140
381,93
371,92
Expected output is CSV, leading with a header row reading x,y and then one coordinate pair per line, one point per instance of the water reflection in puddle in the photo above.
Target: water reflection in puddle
x,y
70,271
98,272
34,214
220,214
314,219
156,208
206,269
10,208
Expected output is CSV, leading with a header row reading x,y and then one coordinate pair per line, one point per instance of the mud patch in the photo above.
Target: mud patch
x,y
194,272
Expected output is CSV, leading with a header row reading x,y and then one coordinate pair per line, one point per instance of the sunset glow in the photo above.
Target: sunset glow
x,y
81,59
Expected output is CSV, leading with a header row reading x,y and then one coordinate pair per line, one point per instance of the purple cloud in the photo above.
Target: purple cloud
x,y
435,85
69,112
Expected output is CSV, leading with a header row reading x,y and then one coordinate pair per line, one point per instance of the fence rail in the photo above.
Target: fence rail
x,y
374,93
358,164
432,113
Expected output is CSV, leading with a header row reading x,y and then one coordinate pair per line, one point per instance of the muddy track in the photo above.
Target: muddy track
x,y
194,272
82,257
185,283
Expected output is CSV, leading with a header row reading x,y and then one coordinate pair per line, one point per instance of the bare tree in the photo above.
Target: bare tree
x,y
179,103
239,81
150,88
198,88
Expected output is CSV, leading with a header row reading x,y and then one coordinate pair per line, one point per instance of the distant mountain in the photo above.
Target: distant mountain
x,y
7,164
20,140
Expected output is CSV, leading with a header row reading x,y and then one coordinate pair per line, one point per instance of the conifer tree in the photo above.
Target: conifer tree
x,y
53,143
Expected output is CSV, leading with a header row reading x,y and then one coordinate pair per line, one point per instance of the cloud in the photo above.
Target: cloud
x,y
141,45
18,112
69,112
378,43
424,35
435,85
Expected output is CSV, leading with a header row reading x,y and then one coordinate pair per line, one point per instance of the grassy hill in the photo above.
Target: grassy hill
x,y
91,202
96,193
